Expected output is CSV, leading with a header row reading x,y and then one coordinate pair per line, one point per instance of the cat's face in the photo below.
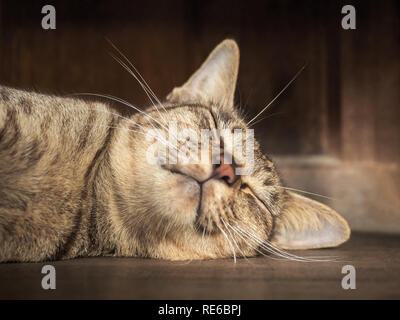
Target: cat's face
x,y
211,202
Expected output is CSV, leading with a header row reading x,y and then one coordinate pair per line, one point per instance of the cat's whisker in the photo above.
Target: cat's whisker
x,y
229,242
122,117
267,246
258,242
308,259
138,73
204,231
127,104
196,228
122,101
141,84
286,254
307,192
233,238
261,243
264,118
254,247
126,67
279,94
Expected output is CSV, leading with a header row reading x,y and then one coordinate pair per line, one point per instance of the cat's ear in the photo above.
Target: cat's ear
x,y
308,224
214,81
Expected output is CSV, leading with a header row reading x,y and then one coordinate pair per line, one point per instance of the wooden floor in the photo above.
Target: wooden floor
x,y
376,259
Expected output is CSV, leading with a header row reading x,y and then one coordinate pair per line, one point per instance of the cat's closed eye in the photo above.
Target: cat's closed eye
x,y
244,186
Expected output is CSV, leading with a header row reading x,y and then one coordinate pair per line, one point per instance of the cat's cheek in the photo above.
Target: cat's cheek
x,y
181,197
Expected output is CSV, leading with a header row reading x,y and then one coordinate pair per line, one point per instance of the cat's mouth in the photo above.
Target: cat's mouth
x,y
210,186
213,195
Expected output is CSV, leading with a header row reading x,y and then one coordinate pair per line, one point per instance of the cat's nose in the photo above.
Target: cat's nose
x,y
225,171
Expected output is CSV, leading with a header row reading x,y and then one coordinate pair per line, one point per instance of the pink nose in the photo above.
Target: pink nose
x,y
225,171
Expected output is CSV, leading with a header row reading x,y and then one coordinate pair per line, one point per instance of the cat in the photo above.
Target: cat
x,y
75,182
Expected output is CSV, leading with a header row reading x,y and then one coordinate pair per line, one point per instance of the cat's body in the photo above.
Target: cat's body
x,y
51,152
74,181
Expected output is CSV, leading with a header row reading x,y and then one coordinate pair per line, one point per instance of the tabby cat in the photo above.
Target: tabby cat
x,y
75,182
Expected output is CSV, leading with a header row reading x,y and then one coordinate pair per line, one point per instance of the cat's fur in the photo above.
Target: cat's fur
x,y
74,181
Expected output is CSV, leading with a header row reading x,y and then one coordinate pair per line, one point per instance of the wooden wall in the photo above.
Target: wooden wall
x,y
346,103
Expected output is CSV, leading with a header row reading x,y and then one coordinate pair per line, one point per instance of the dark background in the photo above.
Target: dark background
x,y
343,109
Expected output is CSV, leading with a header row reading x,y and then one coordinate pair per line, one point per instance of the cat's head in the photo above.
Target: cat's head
x,y
199,208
